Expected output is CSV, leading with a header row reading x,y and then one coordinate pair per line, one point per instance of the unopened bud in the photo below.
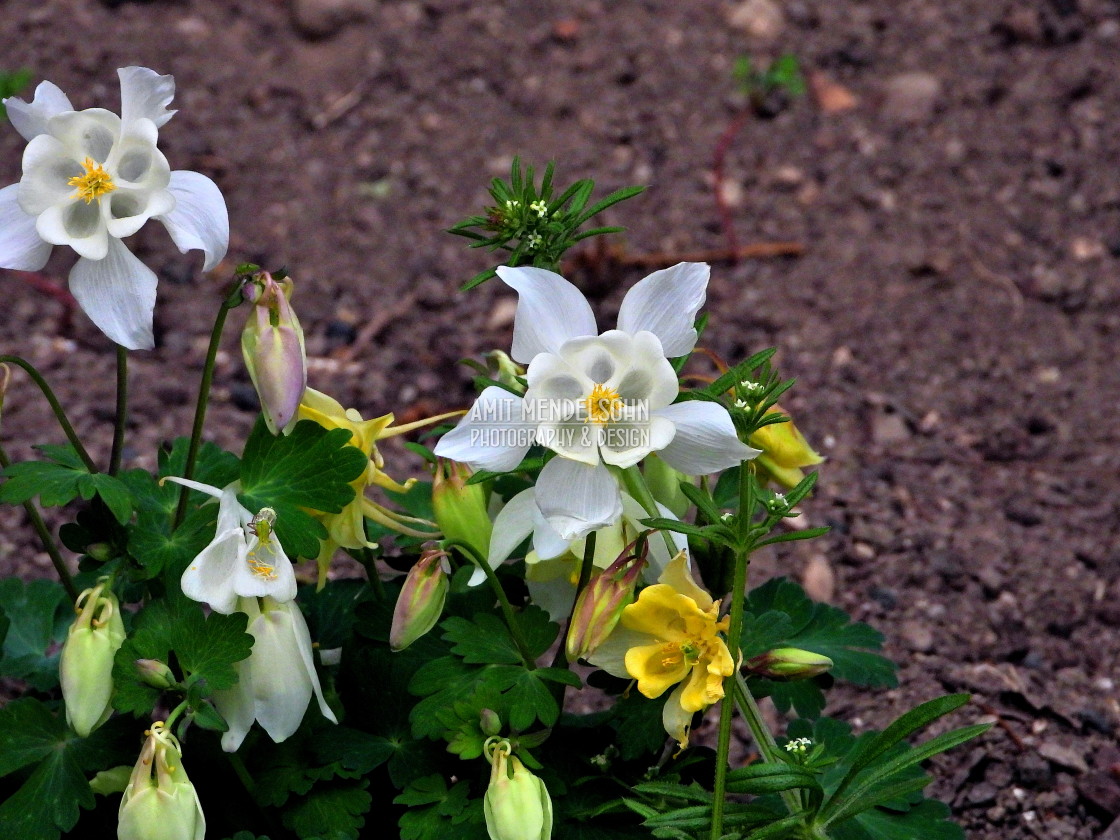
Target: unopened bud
x,y
100,551
160,801
155,673
600,605
788,664
665,484
489,722
273,347
517,805
420,603
785,452
460,508
85,666
505,370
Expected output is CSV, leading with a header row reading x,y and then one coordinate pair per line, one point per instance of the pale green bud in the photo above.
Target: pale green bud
x,y
489,722
505,370
460,508
85,666
155,673
665,484
160,803
517,805
273,347
788,664
420,603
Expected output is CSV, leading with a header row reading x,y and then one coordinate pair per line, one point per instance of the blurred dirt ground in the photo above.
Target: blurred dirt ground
x,y
952,324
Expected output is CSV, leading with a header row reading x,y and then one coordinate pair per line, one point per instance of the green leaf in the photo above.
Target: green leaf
x,y
330,813
436,812
484,641
48,802
779,614
61,479
39,616
928,820
205,646
740,372
310,467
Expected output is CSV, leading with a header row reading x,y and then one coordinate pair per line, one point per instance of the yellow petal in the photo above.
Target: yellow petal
x,y
664,613
678,576
656,667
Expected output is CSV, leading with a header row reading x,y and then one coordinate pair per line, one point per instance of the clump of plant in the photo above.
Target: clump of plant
x,y
589,507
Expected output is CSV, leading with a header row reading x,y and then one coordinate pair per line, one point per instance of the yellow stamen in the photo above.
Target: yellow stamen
x,y
95,183
603,405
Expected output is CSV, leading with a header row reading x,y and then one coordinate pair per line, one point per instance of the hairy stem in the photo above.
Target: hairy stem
x,y
636,486
45,537
232,300
56,407
122,411
503,601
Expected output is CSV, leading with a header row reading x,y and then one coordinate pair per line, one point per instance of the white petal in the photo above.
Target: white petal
x,y
705,441
118,293
666,303
551,588
236,706
512,525
21,247
577,499
30,118
650,376
494,435
145,95
275,579
76,224
303,644
625,443
550,310
208,489
199,220
674,718
90,133
128,209
47,170
546,542
611,654
281,684
209,577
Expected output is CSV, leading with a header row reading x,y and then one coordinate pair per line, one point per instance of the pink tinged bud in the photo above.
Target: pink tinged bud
x,y
160,803
788,664
461,508
600,605
516,805
86,664
420,603
155,673
273,346
489,722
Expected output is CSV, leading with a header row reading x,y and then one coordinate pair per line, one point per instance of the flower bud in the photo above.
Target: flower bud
x,y
784,451
788,664
273,347
160,803
505,370
489,722
517,805
420,603
665,484
600,605
155,673
86,664
460,508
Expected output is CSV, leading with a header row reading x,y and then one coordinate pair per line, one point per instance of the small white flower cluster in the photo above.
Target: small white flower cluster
x,y
799,745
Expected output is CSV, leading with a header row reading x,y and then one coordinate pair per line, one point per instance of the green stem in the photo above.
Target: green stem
x,y
56,407
45,537
503,601
232,300
636,486
375,582
122,411
586,564
734,632
767,746
174,716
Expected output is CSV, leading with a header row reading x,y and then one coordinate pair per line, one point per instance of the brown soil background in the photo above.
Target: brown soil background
x,y
952,324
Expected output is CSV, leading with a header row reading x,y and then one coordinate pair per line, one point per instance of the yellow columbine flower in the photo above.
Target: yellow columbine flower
x,y
347,529
670,636
785,452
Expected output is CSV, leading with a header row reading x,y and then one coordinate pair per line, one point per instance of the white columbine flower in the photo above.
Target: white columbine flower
x,y
245,559
90,179
597,399
276,682
552,565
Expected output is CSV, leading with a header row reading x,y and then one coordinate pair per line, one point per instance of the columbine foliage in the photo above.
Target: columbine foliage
x,y
460,713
